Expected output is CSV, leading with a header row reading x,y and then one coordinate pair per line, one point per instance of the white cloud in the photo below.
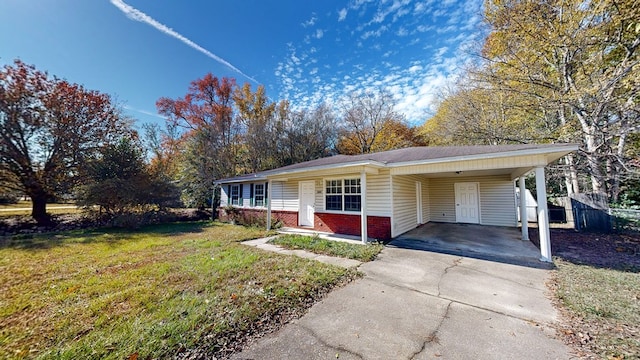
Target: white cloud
x,y
319,33
137,15
342,14
409,48
311,21
414,69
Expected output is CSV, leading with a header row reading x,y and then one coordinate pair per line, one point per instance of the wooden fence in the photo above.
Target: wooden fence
x,y
591,213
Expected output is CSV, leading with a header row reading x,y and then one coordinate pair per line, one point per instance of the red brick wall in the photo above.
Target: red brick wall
x,y
288,218
378,227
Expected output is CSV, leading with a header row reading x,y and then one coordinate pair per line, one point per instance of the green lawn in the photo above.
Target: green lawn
x,y
318,245
147,294
604,308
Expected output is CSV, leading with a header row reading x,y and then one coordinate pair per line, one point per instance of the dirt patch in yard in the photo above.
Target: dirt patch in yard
x,y
613,251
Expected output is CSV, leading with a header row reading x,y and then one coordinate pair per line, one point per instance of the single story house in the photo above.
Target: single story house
x,y
385,194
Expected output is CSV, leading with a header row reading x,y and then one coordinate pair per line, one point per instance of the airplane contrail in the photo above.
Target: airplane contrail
x,y
137,15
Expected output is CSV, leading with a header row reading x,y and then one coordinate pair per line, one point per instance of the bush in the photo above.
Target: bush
x,y
9,198
239,217
127,221
120,182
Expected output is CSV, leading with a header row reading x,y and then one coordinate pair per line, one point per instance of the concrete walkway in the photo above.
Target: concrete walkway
x,y
415,304
264,245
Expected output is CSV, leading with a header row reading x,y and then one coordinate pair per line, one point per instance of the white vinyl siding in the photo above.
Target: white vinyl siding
x,y
426,209
224,197
497,201
284,195
378,194
496,195
442,199
405,215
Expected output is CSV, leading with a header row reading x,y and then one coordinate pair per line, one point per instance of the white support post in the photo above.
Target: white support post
x,y
269,187
363,206
524,219
543,216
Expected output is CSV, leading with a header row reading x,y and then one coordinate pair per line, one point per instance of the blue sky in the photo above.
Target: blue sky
x,y
304,51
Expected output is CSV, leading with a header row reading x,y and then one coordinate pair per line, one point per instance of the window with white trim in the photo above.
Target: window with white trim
x,y
343,195
258,193
234,196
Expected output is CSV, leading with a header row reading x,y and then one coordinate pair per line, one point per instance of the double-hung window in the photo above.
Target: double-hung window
x,y
258,195
234,196
343,195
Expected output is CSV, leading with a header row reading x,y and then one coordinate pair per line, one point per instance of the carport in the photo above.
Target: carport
x,y
473,189
494,243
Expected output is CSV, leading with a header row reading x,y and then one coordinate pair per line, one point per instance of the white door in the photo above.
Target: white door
x,y
467,205
307,203
419,201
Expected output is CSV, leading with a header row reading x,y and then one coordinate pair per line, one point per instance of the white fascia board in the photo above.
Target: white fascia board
x,y
564,149
370,163
254,179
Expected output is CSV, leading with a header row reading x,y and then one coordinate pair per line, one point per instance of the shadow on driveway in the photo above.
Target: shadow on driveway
x,y
493,243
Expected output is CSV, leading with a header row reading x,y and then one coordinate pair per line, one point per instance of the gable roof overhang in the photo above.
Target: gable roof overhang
x,y
369,167
514,163
515,160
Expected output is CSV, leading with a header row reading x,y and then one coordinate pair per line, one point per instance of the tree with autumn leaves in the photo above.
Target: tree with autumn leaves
x,y
228,130
370,124
49,130
222,130
555,71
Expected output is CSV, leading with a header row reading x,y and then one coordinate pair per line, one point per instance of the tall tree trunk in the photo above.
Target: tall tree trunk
x,y
598,181
615,181
570,172
571,175
39,207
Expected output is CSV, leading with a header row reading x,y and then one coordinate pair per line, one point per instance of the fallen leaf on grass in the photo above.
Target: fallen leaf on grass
x,y
72,289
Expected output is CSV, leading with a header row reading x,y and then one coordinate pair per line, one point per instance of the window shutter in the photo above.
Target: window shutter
x,y
228,194
240,196
266,193
251,195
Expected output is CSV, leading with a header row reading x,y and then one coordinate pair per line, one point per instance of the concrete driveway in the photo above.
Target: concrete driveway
x,y
415,304
495,243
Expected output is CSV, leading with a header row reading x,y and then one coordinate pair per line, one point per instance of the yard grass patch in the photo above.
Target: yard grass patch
x,y
151,293
318,245
606,305
23,208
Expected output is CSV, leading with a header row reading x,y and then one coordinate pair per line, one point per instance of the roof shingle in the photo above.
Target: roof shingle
x,y
398,156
